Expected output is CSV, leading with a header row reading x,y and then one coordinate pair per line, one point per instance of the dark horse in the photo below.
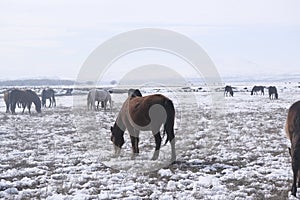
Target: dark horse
x,y
26,97
256,89
48,94
134,93
292,129
273,92
228,89
143,114
7,103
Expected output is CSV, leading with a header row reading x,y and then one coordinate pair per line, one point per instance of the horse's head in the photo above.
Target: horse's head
x,y
38,109
134,93
117,138
38,106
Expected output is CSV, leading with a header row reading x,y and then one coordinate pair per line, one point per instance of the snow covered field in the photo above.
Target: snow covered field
x,y
66,153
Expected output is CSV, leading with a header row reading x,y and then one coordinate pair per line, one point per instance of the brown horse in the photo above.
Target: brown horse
x,y
6,100
142,114
256,89
26,97
292,129
228,89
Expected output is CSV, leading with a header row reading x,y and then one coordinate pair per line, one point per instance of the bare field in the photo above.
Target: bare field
x,y
66,152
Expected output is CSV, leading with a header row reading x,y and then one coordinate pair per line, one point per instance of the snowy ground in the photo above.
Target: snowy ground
x,y
66,152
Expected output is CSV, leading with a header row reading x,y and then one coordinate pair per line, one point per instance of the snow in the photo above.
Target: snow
x,y
66,153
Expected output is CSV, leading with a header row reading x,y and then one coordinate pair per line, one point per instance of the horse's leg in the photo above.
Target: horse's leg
x,y
7,107
157,145
29,106
110,105
24,106
98,105
53,101
134,137
298,178
105,104
295,168
135,146
94,106
50,103
13,108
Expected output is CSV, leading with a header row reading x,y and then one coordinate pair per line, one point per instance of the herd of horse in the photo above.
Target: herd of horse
x,y
255,91
25,98
150,113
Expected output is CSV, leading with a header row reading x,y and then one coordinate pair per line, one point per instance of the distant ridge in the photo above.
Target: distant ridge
x,y
36,82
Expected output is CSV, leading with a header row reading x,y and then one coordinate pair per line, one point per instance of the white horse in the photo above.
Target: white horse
x,y
102,96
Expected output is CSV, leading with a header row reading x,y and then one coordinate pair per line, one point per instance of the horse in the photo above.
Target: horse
x,y
134,93
102,96
48,94
228,89
26,97
256,89
144,114
292,129
273,92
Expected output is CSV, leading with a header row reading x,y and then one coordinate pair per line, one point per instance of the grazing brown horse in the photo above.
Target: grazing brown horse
x,y
26,97
256,89
143,114
228,89
273,92
292,129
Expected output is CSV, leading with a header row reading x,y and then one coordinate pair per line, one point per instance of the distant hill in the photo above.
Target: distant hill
x,y
36,82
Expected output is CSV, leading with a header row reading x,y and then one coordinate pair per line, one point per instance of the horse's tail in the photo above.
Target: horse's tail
x,y
6,100
169,124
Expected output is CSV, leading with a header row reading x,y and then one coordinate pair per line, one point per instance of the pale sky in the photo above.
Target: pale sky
x,y
54,38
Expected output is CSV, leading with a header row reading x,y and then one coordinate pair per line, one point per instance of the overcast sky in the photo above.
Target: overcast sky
x,y
54,38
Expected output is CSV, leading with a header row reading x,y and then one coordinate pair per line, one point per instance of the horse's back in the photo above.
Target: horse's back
x,y
139,109
102,95
15,95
